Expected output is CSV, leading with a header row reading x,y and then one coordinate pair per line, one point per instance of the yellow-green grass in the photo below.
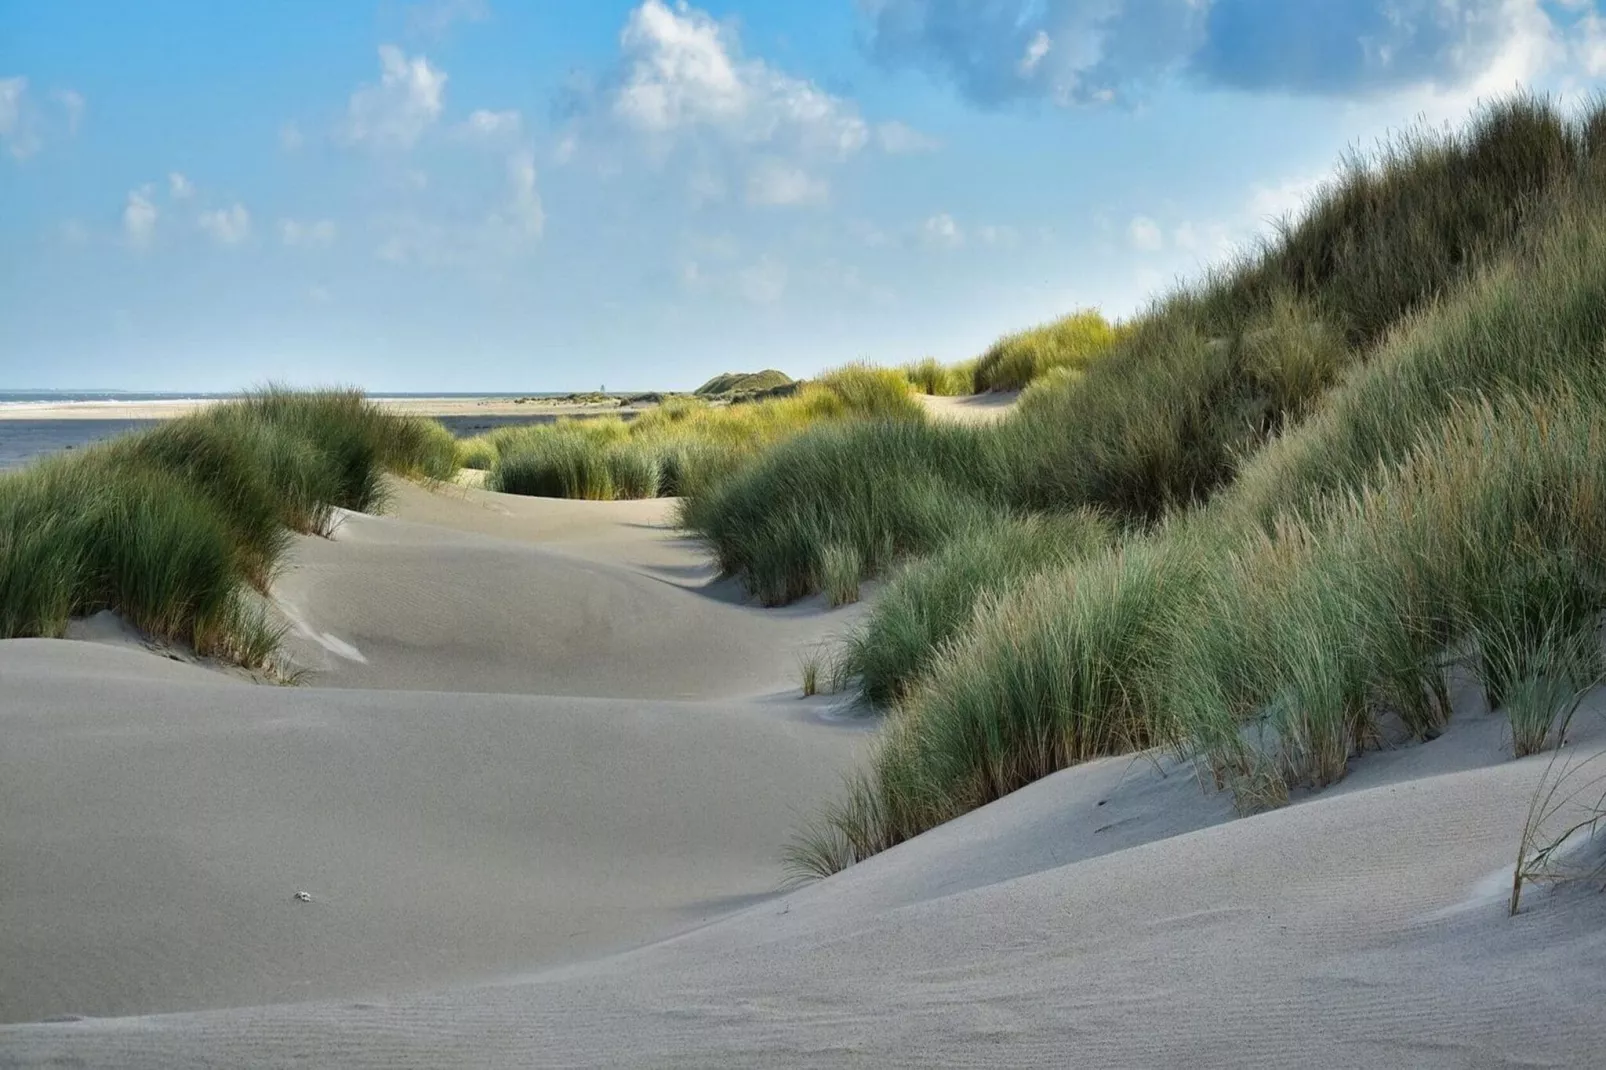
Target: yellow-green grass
x,y
684,446
1342,464
931,376
171,527
1018,359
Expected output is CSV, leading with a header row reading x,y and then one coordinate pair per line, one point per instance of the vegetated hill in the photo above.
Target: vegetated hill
x,y
743,383
1354,449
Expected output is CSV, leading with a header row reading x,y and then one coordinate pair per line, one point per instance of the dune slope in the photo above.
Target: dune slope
x,y
1133,927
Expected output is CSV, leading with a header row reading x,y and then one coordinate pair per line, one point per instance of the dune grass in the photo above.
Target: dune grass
x,y
1016,360
1364,451
685,446
932,599
931,376
172,527
743,383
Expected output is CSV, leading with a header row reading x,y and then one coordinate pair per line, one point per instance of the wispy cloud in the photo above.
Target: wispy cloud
x,y
396,112
307,234
227,226
139,218
1089,51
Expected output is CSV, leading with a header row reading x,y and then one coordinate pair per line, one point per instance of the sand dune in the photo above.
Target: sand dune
x,y
1106,916
486,840
535,596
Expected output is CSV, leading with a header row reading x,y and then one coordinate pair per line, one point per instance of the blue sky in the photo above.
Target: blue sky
x,y
562,194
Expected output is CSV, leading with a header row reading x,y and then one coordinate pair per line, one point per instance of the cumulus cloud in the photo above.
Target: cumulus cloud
x,y
407,102
139,217
179,188
227,226
684,72
307,234
684,94
1086,51
290,137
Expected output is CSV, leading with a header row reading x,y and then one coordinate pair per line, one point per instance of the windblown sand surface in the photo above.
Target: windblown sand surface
x,y
474,857
973,408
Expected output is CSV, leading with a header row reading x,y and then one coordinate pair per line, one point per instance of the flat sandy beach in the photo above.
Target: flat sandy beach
x,y
167,410
536,780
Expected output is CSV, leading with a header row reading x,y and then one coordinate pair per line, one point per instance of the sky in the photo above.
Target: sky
x,y
552,195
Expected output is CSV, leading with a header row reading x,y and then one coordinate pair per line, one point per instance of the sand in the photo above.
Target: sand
x,y
973,408
526,862
167,410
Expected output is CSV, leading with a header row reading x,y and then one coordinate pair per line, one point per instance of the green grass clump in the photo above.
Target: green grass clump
x,y
883,488
743,383
171,527
1019,359
635,469
934,598
931,376
559,464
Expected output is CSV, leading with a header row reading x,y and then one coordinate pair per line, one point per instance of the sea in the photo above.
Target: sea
x,y
23,440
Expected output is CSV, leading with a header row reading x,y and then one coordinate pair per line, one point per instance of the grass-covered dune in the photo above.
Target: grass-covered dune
x,y
683,446
172,527
743,383
1365,452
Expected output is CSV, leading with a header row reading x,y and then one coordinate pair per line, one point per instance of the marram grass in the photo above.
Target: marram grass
x,y
172,527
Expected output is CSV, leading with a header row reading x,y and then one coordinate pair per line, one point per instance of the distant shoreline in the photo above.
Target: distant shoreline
x,y
167,409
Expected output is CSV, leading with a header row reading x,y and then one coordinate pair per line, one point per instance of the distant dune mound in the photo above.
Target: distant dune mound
x,y
744,383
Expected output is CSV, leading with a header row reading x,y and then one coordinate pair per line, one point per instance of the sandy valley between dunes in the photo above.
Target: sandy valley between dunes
x,y
536,783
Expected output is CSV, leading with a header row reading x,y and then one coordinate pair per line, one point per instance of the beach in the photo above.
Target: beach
x,y
533,784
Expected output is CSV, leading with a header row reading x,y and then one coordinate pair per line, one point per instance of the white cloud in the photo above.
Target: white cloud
x,y
762,282
17,127
525,211
941,230
24,126
901,139
684,72
73,232
492,124
1144,234
776,183
307,234
72,104
290,137
402,107
1287,199
227,226
1589,45
513,227
1039,46
434,17
179,188
1005,237
139,217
